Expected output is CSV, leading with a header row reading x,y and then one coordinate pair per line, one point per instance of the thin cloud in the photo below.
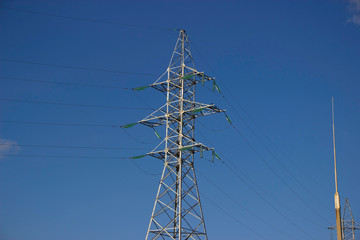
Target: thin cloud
x,y
354,8
8,146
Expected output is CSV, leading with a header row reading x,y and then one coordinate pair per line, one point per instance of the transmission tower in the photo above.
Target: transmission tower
x,y
348,223
177,212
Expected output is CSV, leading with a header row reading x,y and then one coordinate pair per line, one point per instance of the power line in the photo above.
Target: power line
x,y
236,173
90,19
75,67
278,176
71,104
65,83
79,157
278,160
282,165
60,124
265,200
233,169
269,149
233,217
240,205
272,206
143,170
143,101
268,138
214,130
69,156
229,102
74,147
73,125
272,153
135,138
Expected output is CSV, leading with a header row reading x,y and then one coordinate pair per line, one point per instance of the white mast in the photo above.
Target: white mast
x,y
337,197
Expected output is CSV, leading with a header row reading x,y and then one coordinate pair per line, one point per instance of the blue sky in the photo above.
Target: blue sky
x,y
278,63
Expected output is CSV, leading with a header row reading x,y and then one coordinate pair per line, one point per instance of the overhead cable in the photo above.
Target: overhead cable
x,y
238,173
90,19
233,169
68,156
59,124
243,207
233,217
65,83
75,147
75,67
71,104
231,105
279,177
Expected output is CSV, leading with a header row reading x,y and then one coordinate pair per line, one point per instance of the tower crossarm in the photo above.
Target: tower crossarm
x,y
174,151
192,77
191,110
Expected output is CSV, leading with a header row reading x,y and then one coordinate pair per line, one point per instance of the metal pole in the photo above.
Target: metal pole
x,y
336,196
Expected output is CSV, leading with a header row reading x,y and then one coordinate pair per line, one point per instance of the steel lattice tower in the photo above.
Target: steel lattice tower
x,y
177,212
348,223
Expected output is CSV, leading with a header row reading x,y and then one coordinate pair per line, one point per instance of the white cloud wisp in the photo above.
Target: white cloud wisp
x,y
8,146
354,8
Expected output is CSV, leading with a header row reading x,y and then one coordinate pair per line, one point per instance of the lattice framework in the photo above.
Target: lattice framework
x,y
348,223
177,212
